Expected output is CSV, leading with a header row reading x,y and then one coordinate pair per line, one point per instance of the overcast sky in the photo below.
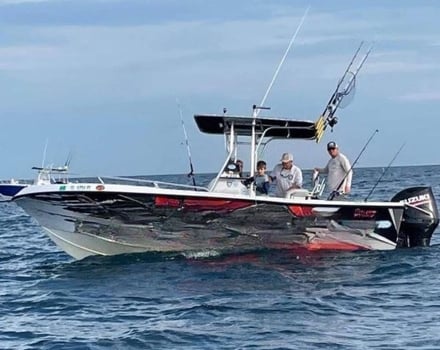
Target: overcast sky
x,y
100,78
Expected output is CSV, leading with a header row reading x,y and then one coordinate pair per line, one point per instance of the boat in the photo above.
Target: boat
x,y
110,216
45,175
9,188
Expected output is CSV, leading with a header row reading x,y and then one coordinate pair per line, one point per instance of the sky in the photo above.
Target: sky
x,y
100,79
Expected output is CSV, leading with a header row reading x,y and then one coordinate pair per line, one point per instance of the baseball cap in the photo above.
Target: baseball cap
x,y
287,157
331,145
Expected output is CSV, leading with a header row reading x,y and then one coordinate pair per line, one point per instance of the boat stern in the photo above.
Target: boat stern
x,y
420,217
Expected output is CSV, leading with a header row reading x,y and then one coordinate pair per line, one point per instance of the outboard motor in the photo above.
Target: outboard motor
x,y
420,217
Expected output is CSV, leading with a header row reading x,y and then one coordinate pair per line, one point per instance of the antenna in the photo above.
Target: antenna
x,y
263,101
44,153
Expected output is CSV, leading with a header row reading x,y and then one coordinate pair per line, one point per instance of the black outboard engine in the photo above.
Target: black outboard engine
x,y
420,217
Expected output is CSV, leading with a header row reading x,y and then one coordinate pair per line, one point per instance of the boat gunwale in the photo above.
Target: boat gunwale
x,y
137,189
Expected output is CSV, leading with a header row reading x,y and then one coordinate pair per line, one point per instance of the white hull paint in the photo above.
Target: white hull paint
x,y
80,246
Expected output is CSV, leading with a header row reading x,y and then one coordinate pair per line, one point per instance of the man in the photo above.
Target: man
x,y
286,175
338,169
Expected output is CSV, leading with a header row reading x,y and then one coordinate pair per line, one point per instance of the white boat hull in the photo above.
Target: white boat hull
x,y
92,219
82,245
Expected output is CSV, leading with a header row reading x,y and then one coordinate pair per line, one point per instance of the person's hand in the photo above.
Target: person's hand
x,y
347,189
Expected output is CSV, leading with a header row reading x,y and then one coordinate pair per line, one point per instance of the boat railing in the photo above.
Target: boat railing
x,y
152,183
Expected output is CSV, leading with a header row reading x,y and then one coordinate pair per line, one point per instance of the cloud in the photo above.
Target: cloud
x,y
16,2
23,56
421,96
89,61
378,67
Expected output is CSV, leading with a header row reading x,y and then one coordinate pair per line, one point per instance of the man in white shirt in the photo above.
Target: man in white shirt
x,y
287,175
338,169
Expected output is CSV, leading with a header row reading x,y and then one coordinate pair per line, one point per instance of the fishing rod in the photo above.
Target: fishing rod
x,y
335,193
188,149
348,67
328,117
384,171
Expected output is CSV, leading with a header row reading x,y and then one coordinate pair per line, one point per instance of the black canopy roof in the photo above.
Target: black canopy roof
x,y
276,127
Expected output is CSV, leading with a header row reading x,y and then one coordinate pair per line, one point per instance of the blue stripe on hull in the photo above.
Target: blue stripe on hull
x,y
10,190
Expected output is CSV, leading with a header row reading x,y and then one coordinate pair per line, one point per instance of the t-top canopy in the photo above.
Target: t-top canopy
x,y
271,127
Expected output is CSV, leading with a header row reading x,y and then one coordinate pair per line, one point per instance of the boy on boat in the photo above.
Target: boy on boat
x,y
261,179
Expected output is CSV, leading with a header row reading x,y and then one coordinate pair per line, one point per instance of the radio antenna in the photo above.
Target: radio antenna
x,y
263,101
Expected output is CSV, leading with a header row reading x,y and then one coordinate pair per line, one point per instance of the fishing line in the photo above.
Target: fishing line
x,y
383,172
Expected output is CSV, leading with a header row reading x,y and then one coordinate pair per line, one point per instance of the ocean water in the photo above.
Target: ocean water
x,y
265,300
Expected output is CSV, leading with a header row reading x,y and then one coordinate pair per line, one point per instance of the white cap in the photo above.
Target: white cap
x,y
287,157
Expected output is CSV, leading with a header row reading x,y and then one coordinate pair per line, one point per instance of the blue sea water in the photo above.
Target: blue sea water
x,y
265,300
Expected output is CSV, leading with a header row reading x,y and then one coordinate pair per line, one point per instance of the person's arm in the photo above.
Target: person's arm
x,y
266,187
347,168
298,178
322,170
248,181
